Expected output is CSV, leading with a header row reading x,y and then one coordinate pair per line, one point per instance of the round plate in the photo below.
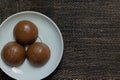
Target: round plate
x,y
50,35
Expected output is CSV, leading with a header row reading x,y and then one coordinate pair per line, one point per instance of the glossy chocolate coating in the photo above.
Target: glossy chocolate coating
x,y
25,32
13,54
38,54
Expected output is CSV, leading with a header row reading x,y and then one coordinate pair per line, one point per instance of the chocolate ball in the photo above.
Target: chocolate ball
x,y
38,53
13,54
25,32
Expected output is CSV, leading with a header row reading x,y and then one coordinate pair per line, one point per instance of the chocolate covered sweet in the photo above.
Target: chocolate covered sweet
x,y
25,32
13,54
38,53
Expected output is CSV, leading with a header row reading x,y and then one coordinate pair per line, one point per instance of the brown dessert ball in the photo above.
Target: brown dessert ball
x,y
25,32
38,54
13,54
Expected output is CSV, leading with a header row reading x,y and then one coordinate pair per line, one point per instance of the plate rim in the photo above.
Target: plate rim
x,y
48,18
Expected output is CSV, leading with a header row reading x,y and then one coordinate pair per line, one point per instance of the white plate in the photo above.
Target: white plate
x,y
50,35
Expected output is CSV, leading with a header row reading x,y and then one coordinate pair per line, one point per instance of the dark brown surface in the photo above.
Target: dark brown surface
x,y
91,32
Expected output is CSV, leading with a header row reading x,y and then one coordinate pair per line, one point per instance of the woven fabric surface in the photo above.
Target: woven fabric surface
x,y
91,32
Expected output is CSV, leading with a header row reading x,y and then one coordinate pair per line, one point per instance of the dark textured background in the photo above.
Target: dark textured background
x,y
91,32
